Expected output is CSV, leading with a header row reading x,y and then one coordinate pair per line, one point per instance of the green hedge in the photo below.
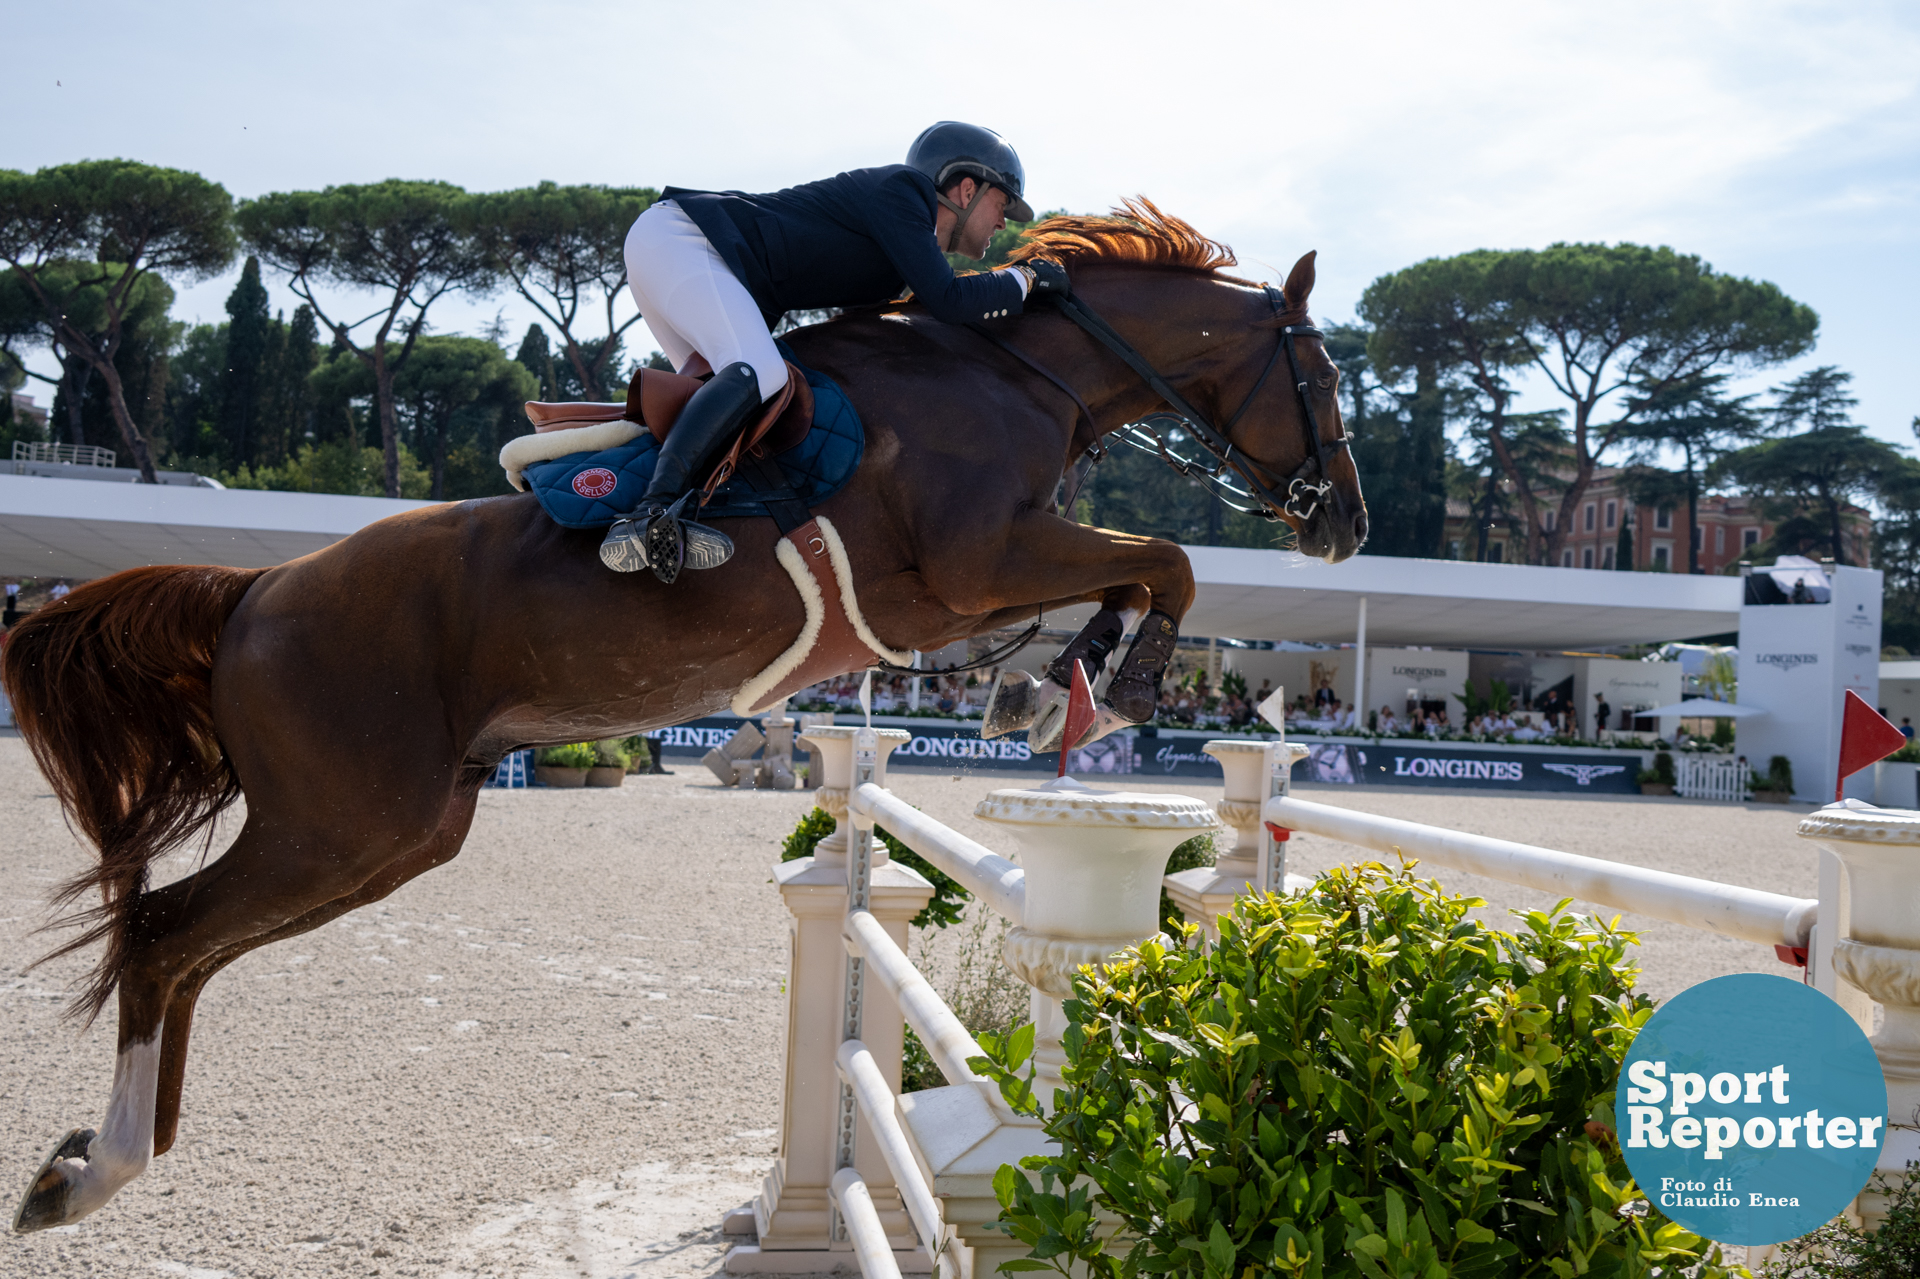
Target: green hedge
x,y
1361,1081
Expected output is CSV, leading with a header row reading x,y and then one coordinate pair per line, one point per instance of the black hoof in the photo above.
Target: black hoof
x,y
45,1203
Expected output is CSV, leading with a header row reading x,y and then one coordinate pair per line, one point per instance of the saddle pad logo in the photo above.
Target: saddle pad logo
x,y
595,481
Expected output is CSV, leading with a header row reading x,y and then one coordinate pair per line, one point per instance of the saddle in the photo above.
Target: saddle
x,y
654,401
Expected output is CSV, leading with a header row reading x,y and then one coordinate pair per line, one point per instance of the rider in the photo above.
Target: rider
x,y
713,272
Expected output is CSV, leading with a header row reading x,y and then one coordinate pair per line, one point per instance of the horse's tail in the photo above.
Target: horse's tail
x,y
112,690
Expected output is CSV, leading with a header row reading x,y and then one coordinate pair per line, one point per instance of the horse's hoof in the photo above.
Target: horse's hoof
x,y
1106,721
1011,705
45,1203
1050,725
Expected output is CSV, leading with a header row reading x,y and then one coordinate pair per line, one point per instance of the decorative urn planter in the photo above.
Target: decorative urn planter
x,y
608,776
1094,861
1656,788
553,775
1877,949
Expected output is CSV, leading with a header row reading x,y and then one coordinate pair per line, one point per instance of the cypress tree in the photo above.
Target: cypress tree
x,y
243,381
536,356
288,402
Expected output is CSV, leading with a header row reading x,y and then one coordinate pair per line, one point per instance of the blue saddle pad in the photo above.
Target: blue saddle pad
x,y
592,490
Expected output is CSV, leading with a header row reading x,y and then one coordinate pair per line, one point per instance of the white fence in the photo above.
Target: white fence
x,y
73,454
1712,777
898,1183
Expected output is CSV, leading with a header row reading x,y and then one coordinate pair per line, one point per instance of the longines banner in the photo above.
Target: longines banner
x,y
1410,763
957,748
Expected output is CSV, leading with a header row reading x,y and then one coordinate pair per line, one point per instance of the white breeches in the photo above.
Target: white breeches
x,y
693,302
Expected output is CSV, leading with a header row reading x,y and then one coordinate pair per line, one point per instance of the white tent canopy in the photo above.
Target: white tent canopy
x,y
88,528
1274,595
82,529
1702,708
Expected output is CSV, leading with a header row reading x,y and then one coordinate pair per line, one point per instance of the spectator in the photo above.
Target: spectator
x,y
59,592
1266,691
1906,723
1387,723
1601,714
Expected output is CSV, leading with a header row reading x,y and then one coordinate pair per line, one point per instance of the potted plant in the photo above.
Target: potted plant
x,y
610,760
1777,786
563,765
1896,779
1659,779
639,754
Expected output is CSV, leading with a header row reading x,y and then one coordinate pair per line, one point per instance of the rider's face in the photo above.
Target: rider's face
x,y
989,216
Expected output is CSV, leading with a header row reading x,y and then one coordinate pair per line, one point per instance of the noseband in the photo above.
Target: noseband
x,y
1307,489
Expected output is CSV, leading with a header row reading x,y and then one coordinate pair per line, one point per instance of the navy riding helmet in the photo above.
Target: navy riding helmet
x,y
951,149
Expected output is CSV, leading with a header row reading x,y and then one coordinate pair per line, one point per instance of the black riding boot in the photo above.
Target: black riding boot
x,y
655,536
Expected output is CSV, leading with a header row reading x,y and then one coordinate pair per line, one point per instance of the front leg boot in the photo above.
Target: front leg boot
x,y
1134,692
1093,645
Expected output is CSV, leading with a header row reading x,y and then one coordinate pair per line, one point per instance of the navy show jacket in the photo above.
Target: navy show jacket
x,y
854,239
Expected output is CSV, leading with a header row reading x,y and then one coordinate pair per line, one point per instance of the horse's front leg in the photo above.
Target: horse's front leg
x,y
1138,581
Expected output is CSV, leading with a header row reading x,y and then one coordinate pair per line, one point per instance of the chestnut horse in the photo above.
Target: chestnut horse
x,y
358,697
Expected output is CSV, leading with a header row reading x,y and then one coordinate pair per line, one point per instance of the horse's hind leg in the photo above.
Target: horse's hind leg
x,y
269,884
442,848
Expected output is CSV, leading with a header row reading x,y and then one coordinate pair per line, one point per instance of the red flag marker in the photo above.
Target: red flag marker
x,y
1865,737
1079,714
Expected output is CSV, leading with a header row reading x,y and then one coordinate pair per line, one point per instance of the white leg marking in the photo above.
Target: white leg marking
x,y
1130,618
125,1144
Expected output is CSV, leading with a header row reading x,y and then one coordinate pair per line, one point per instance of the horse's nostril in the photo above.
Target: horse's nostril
x,y
1360,527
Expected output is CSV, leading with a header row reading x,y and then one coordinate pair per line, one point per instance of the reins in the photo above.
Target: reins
x,y
1307,488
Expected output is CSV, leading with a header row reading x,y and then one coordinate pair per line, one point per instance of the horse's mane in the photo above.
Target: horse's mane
x,y
1135,234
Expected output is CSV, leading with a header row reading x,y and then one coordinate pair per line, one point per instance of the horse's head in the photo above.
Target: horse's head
x,y
1270,388
1293,433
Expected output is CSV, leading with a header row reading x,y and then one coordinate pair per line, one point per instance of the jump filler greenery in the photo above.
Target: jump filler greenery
x,y
1359,1081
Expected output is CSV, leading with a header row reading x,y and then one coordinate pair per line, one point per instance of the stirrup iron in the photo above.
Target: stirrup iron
x,y
673,543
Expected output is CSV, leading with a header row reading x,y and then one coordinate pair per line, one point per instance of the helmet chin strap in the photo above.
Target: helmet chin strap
x,y
964,211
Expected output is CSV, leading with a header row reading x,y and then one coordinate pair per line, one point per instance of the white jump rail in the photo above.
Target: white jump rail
x,y
944,1038
978,869
1749,914
905,1183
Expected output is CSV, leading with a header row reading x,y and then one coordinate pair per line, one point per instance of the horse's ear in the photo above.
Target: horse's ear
x,y
1300,280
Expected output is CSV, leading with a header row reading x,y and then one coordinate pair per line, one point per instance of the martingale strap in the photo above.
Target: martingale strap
x,y
762,474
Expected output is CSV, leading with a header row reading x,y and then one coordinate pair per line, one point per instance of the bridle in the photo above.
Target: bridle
x,y
1310,486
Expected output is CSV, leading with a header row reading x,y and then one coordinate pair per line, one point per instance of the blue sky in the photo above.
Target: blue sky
x,y
1779,141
